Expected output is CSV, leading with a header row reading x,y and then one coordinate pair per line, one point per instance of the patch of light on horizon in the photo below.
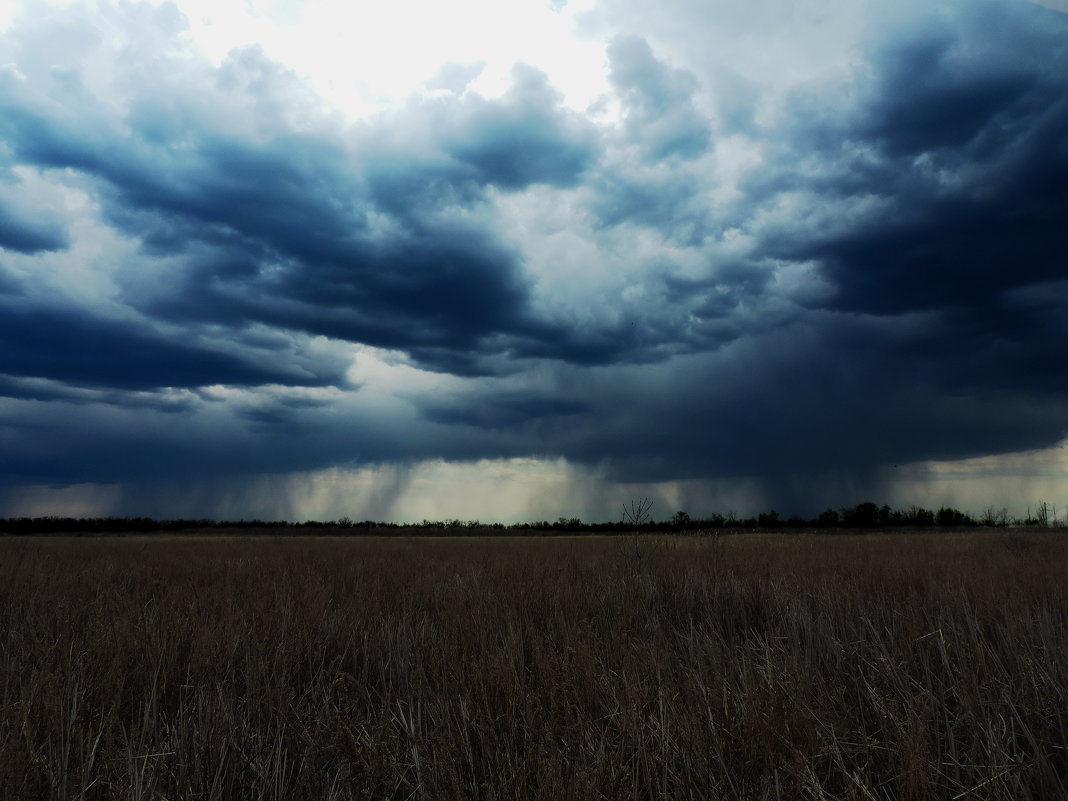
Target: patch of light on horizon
x,y
499,490
77,500
1014,481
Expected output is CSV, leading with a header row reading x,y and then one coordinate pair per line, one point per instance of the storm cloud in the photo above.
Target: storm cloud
x,y
718,270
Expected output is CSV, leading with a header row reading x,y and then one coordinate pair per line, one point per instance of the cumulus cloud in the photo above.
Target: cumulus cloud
x,y
660,115
455,77
244,218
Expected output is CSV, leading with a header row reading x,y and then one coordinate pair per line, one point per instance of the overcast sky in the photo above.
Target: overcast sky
x,y
525,259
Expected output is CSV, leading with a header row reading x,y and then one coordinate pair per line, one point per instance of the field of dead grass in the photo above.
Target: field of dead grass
x,y
757,666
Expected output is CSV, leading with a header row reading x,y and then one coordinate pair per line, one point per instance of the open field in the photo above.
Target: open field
x,y
757,666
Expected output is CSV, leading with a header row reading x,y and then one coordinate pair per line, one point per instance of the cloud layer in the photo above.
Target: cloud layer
x,y
822,260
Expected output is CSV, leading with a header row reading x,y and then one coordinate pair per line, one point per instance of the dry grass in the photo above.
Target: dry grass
x,y
749,667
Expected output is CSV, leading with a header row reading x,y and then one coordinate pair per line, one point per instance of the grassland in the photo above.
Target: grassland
x,y
758,666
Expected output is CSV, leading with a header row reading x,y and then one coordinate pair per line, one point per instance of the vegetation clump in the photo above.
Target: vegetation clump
x,y
637,516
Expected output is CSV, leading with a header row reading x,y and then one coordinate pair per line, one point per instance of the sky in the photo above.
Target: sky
x,y
529,259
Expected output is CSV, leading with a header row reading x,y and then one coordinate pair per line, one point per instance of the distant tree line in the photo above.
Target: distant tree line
x,y
863,516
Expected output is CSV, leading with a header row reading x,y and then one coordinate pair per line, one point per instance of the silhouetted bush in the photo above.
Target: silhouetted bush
x,y
866,515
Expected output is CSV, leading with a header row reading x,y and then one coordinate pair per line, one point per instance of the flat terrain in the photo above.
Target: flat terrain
x,y
755,666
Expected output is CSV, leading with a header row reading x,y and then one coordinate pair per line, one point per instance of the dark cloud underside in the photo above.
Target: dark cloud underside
x,y
84,350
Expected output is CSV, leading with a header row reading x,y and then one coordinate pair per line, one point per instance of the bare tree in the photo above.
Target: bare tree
x,y
636,515
993,516
638,512
1047,513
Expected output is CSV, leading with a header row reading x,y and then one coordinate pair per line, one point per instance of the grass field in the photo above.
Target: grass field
x,y
757,666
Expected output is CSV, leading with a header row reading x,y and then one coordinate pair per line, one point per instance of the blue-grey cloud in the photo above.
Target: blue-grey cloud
x,y
497,410
35,389
276,415
660,114
959,143
24,235
455,77
524,138
736,277
279,230
64,345
9,285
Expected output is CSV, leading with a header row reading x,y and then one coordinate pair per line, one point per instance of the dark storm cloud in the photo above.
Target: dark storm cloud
x,y
349,240
279,408
868,272
936,201
23,388
437,295
959,138
814,397
9,285
258,432
78,348
927,100
923,207
28,236
498,410
524,138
